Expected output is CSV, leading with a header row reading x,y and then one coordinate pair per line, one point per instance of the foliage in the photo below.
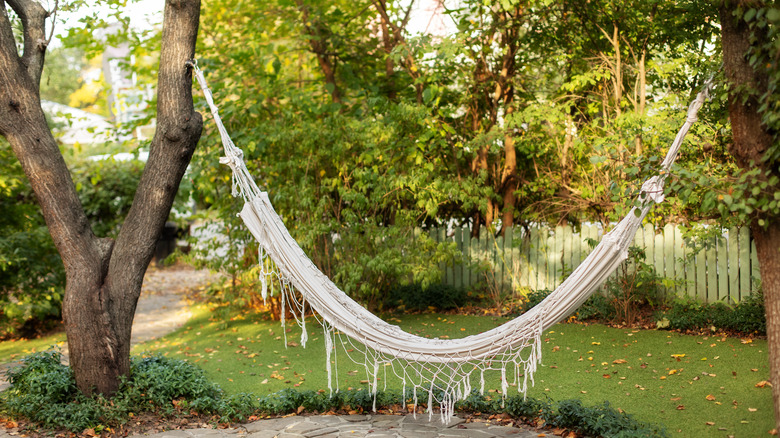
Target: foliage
x,y
62,74
106,189
748,316
31,273
415,297
363,136
636,284
533,298
603,420
43,390
596,307
739,195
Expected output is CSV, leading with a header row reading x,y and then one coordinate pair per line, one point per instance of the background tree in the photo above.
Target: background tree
x,y
104,275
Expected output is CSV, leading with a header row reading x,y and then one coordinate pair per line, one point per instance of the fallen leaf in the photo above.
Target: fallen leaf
x,y
619,361
301,409
763,383
710,423
671,372
678,355
710,397
752,409
606,376
680,407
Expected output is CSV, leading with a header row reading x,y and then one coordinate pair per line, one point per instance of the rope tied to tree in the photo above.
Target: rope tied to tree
x,y
443,367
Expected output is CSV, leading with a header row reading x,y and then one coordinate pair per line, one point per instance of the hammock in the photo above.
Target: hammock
x,y
444,367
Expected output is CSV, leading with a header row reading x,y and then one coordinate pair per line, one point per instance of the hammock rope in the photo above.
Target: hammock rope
x,y
443,367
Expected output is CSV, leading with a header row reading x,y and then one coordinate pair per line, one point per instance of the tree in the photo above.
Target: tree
x,y
104,276
750,63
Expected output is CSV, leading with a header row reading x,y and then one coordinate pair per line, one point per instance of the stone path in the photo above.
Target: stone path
x,y
162,309
358,426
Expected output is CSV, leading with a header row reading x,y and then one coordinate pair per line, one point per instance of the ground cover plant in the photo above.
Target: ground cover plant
x,y
44,391
694,385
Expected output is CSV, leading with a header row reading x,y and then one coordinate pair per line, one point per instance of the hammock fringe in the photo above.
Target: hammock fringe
x,y
442,367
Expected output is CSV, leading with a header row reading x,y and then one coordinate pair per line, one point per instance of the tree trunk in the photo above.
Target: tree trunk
x,y
768,248
103,277
751,141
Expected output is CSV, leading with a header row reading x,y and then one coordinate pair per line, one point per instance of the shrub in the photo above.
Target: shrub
x,y
747,316
636,284
533,298
44,391
596,307
602,421
31,273
418,297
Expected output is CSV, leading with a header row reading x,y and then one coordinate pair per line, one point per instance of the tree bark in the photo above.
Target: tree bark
x,y
103,277
751,142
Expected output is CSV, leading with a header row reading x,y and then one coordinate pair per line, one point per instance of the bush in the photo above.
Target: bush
x,y
602,421
636,284
32,276
533,298
106,189
747,316
44,391
417,297
596,307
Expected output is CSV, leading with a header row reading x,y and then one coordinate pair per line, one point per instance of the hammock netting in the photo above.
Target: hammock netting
x,y
447,369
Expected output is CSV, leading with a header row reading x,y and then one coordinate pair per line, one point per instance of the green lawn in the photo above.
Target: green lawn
x,y
11,351
683,382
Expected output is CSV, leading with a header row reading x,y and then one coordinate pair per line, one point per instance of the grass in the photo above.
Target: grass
x,y
694,385
16,349
684,382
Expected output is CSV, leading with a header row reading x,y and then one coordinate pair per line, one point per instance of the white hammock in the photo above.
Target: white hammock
x,y
444,367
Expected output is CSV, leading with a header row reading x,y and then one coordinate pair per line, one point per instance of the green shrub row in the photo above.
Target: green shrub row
x,y
417,297
43,390
747,316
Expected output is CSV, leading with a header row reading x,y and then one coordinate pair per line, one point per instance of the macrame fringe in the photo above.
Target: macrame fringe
x,y
443,368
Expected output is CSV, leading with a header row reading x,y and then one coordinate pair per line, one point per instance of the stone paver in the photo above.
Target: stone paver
x,y
326,426
368,426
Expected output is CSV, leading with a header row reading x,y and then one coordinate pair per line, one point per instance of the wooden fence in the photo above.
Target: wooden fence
x,y
726,270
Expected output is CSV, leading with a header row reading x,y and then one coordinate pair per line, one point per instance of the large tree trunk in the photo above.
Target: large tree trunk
x,y
103,277
751,141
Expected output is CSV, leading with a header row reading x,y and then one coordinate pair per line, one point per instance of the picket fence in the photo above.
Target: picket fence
x,y
726,270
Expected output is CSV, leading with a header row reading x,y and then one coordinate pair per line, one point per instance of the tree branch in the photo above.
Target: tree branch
x,y
178,130
33,17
